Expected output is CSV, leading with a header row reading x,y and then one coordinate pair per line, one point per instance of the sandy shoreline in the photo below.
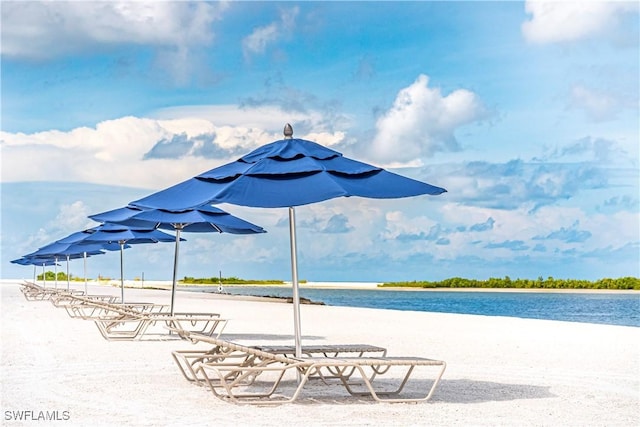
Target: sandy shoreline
x,y
501,371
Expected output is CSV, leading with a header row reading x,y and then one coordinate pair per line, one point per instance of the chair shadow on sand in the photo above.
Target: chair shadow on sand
x,y
448,391
470,391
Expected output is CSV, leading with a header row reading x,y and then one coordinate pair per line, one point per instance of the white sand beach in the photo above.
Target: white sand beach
x,y
500,371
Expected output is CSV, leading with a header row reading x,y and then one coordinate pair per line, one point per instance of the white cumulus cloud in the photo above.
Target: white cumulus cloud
x,y
423,121
124,151
553,21
41,29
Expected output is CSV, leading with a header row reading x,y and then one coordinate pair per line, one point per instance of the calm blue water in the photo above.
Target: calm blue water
x,y
607,308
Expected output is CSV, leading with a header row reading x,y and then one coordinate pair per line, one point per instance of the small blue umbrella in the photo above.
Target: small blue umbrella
x,y
204,219
79,240
288,173
36,262
69,251
123,235
25,260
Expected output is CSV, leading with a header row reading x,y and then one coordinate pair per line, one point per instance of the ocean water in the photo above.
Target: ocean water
x,y
594,307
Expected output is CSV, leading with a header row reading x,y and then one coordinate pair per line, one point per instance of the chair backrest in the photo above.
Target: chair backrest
x,y
228,345
113,307
32,286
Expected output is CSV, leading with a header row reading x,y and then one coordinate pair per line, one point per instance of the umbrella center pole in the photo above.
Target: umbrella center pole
x,y
85,272
55,271
294,281
67,272
175,268
121,272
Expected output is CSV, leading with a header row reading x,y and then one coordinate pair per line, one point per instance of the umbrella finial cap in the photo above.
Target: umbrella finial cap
x,y
288,131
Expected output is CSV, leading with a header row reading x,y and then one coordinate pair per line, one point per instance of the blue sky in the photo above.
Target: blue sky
x,y
526,112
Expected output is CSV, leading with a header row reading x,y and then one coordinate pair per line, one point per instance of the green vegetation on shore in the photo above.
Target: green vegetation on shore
x,y
227,281
507,283
51,276
622,283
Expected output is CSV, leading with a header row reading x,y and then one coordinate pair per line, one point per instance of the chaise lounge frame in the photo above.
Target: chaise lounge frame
x,y
232,367
187,359
134,321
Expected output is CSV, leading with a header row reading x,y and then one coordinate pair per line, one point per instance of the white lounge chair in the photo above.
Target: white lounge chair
x,y
133,326
248,375
33,292
134,321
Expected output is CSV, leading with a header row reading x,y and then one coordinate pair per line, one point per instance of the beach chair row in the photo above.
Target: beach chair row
x,y
258,374
34,292
131,321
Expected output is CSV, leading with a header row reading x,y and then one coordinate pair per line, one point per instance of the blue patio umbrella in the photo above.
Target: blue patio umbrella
x,y
69,251
26,261
35,262
54,261
122,235
79,238
287,173
204,219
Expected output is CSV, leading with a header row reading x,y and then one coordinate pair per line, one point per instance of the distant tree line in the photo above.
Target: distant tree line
x,y
540,283
51,276
228,281
621,283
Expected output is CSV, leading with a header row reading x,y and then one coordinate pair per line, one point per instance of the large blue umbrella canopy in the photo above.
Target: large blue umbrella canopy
x,y
198,220
288,173
80,241
201,219
122,235
58,249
